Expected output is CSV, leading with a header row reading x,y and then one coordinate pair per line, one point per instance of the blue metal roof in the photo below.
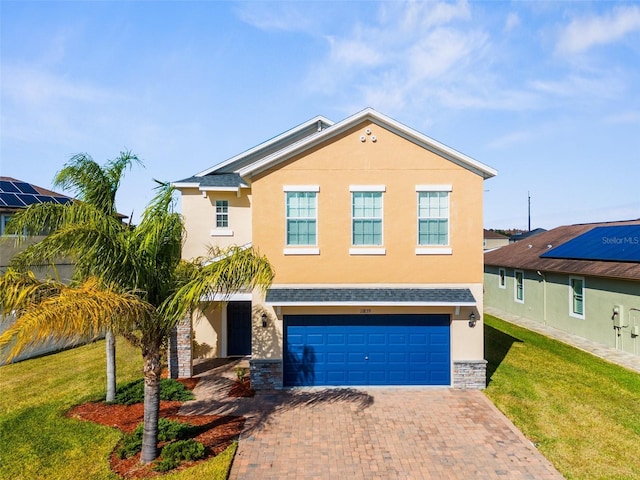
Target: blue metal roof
x,y
615,244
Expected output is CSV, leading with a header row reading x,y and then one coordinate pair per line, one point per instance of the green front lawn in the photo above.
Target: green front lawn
x,y
38,442
583,413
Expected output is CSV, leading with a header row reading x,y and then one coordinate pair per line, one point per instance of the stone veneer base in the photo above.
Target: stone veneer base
x,y
470,374
266,374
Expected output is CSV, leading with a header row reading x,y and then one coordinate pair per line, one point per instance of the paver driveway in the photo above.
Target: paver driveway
x,y
374,433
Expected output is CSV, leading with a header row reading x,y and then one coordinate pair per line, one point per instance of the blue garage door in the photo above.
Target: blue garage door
x,y
367,350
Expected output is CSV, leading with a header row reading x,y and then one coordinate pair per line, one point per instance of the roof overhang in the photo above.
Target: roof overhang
x,y
399,297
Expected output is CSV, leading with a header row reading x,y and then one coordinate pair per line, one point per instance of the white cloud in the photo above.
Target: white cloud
x,y
584,33
513,21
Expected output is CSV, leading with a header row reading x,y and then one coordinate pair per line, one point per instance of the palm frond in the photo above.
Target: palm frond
x,y
74,312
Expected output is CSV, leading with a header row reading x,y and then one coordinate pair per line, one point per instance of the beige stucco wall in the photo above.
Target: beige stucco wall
x,y
207,329
199,214
400,166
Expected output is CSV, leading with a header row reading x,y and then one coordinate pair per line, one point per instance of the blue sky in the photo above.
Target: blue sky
x,y
547,93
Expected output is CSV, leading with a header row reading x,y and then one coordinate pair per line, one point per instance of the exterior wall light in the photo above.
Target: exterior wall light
x,y
264,320
472,320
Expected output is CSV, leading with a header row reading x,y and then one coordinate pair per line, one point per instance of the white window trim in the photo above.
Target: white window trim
x,y
571,312
367,251
504,276
301,251
427,188
434,188
515,286
221,232
371,248
301,188
367,188
434,251
222,229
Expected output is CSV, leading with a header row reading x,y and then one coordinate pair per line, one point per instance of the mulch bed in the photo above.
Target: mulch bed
x,y
242,388
218,432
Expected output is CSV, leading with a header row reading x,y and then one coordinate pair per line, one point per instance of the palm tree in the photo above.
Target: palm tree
x,y
95,186
143,262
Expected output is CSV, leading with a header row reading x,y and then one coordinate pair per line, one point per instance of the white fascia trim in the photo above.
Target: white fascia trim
x,y
373,304
185,185
215,232
234,297
302,251
386,122
434,251
269,142
367,188
219,189
434,188
301,188
367,251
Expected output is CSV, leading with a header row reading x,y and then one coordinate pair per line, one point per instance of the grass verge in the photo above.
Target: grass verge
x,y
38,442
582,412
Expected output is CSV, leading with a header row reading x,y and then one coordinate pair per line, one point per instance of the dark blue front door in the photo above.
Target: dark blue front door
x,y
238,328
367,350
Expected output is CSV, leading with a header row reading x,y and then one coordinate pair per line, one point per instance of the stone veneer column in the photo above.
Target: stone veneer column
x,y
266,374
470,374
180,350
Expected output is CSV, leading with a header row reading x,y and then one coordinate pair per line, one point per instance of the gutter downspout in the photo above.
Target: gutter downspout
x,y
544,296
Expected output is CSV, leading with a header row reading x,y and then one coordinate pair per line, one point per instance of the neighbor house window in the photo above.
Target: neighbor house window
x,y
4,219
222,213
502,278
519,286
433,218
576,297
301,218
366,218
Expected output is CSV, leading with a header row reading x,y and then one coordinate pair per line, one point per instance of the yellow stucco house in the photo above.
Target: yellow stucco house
x,y
375,233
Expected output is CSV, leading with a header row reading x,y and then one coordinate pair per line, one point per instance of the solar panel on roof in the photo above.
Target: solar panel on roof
x,y
615,244
8,187
11,200
26,188
28,199
62,200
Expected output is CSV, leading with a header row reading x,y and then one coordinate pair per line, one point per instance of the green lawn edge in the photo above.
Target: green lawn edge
x,y
40,442
582,412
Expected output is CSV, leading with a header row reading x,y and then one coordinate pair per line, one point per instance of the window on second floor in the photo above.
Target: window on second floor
x,y
222,213
576,297
519,286
366,218
301,218
433,215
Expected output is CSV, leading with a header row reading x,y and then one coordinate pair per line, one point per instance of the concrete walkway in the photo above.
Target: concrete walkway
x,y
371,433
624,359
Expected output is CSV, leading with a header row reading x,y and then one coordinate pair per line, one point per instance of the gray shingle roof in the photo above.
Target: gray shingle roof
x,y
216,180
440,296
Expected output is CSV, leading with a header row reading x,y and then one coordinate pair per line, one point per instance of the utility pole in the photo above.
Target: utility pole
x,y
529,208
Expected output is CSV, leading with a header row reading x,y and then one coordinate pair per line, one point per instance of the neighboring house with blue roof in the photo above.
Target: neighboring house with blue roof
x,y
16,195
583,279
375,234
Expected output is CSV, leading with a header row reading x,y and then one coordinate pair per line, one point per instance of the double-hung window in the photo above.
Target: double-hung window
x,y
366,216
301,219
222,213
576,297
433,219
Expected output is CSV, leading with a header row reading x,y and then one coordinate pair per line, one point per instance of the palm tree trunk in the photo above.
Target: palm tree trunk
x,y
152,371
111,365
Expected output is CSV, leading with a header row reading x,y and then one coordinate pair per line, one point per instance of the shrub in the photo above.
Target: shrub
x,y
179,451
167,430
170,389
